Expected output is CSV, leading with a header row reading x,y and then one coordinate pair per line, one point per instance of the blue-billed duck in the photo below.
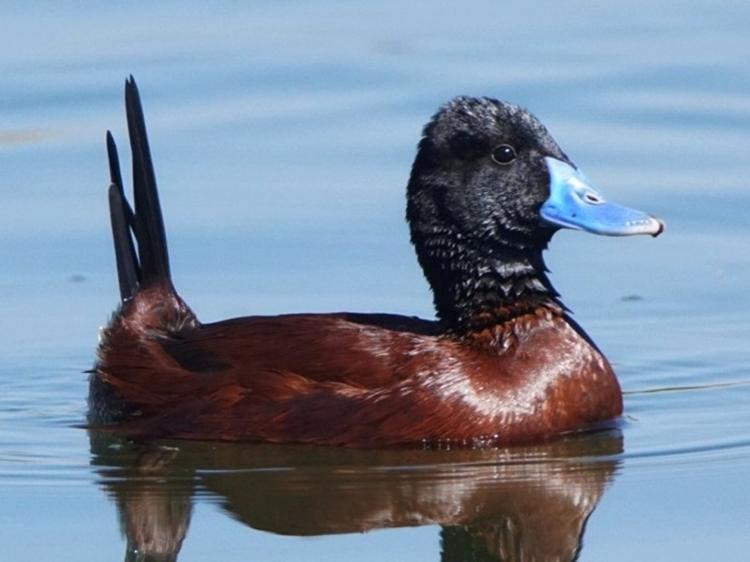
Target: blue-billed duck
x,y
503,363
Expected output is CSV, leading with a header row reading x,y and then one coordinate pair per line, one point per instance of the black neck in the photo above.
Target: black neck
x,y
477,284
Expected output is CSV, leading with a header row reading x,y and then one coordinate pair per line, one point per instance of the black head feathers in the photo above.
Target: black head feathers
x,y
476,186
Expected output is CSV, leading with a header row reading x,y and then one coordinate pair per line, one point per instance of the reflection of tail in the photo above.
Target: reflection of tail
x,y
150,264
154,505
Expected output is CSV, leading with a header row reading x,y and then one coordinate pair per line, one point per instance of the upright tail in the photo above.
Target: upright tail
x,y
130,352
149,264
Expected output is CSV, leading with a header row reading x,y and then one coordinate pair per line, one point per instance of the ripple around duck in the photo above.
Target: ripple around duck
x,y
674,416
685,407
687,388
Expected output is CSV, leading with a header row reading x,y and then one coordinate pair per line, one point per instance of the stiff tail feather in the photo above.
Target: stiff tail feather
x,y
130,352
141,268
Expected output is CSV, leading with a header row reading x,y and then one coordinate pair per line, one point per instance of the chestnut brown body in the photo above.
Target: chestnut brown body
x,y
351,379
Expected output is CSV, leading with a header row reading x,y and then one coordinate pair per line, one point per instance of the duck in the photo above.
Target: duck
x,y
502,363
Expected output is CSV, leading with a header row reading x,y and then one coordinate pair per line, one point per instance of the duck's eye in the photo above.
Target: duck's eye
x,y
503,154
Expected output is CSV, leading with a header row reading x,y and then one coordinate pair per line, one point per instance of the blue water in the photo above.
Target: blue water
x,y
283,133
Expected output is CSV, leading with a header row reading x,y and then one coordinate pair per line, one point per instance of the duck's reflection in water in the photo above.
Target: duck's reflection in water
x,y
523,503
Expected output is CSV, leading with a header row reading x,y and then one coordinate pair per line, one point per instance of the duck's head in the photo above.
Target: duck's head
x,y
488,188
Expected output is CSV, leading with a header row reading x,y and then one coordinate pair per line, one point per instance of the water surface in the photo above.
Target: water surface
x,y
283,134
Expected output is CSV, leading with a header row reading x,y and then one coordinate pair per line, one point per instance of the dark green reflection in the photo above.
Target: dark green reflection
x,y
514,504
